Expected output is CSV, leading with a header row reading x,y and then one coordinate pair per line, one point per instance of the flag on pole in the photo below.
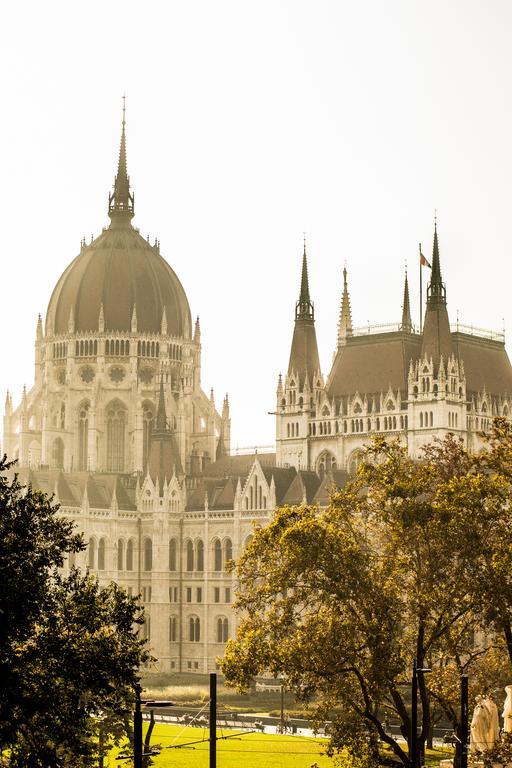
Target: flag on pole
x,y
424,262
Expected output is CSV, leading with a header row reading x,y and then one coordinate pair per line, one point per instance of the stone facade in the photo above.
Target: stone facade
x,y
119,429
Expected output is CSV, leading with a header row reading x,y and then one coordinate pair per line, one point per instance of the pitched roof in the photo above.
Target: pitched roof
x,y
486,364
371,364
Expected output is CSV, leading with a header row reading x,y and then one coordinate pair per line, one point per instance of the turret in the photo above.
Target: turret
x,y
437,339
164,457
304,359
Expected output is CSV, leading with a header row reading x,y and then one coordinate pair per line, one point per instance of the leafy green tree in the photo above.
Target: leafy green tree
x,y
69,650
339,602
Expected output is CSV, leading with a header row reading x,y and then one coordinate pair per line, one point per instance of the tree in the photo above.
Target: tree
x,y
340,601
69,650
491,585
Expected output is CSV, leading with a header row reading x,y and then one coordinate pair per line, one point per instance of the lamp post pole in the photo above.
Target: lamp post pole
x,y
414,718
464,718
137,730
213,720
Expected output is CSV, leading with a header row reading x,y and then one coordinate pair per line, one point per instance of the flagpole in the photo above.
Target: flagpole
x,y
421,294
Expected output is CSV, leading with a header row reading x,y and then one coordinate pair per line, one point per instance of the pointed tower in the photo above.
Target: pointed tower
x,y
304,360
437,340
406,324
345,321
121,202
164,456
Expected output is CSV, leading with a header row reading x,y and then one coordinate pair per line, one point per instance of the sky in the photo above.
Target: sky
x,y
250,122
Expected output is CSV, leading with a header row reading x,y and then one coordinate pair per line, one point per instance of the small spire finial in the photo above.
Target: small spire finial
x,y
345,321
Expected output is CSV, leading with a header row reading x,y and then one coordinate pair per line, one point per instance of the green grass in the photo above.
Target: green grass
x,y
252,750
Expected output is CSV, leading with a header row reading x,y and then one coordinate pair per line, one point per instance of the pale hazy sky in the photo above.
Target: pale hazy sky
x,y
249,122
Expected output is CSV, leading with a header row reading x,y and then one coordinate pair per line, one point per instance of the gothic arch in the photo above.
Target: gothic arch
x,y
83,434
58,453
353,461
116,423
326,462
148,420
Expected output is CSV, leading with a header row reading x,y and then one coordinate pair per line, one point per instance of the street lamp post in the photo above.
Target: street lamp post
x,y
414,751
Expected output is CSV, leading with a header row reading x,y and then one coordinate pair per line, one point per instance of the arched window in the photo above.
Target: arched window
x,y
199,555
83,434
222,630
228,552
353,462
129,555
148,554
62,416
101,555
58,453
194,629
116,427
172,555
421,418
148,416
120,555
173,629
190,556
431,419
91,559
217,555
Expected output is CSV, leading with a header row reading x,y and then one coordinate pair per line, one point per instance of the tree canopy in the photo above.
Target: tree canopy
x,y
69,650
401,566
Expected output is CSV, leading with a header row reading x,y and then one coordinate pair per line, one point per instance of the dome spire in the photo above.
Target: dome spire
x,y
121,202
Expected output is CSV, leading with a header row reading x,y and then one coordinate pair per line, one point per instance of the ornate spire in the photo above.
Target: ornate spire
x,y
345,321
436,292
304,360
304,309
437,340
121,200
406,324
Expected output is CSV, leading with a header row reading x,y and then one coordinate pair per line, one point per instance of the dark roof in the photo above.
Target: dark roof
x,y
70,487
164,457
304,357
486,364
371,364
220,492
437,339
303,484
332,480
119,269
238,466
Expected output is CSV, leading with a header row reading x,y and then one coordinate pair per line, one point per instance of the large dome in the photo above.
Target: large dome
x,y
119,270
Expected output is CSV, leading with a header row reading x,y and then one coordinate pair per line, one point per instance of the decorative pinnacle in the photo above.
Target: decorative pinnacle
x,y
121,202
345,321
406,308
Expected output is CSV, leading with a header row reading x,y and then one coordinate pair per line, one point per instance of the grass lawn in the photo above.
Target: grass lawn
x,y
252,750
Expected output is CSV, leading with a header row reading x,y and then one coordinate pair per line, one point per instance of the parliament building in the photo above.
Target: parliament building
x,y
118,427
